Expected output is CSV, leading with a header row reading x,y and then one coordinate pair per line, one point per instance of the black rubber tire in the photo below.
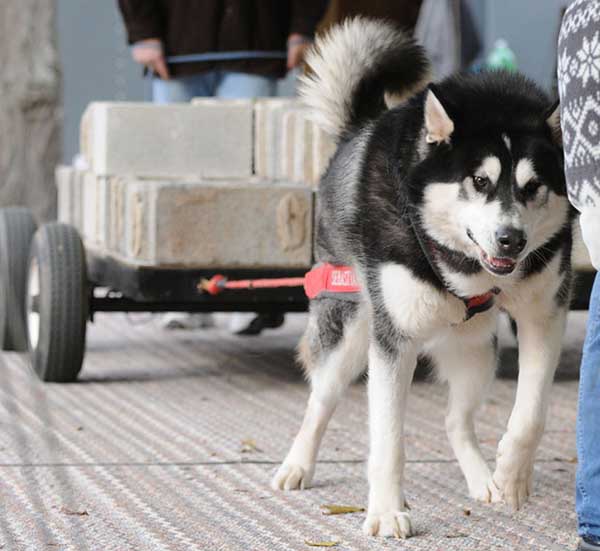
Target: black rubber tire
x,y
63,303
17,227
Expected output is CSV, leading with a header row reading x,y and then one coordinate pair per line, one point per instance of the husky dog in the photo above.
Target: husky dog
x,y
437,194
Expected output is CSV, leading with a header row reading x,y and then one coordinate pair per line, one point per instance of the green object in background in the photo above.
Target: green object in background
x,y
502,57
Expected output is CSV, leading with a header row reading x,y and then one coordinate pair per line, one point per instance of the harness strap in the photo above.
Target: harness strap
x,y
474,305
327,278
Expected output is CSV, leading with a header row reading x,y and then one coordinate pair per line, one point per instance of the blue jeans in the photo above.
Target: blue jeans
x,y
221,84
588,426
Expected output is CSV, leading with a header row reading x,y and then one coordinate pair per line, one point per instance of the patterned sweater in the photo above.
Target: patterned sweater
x,y
579,89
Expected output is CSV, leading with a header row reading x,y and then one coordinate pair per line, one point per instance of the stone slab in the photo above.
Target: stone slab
x,y
268,136
324,147
206,139
228,225
204,224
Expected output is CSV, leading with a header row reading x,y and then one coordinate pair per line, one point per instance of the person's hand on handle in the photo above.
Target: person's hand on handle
x,y
150,53
297,45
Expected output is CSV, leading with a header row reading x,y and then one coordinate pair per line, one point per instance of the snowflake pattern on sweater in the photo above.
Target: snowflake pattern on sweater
x,y
579,90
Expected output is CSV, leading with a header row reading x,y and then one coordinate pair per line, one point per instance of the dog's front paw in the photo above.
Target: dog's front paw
x,y
391,524
292,477
514,472
485,490
515,485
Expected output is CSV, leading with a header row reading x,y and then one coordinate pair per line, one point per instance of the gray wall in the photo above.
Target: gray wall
x,y
531,29
95,61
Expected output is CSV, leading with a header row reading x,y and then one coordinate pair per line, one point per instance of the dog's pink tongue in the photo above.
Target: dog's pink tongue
x,y
502,262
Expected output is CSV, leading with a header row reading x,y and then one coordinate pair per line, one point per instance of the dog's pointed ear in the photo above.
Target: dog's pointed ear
x,y
553,121
438,124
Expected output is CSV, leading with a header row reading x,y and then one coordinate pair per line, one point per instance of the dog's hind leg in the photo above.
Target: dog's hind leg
x,y
467,361
391,367
333,352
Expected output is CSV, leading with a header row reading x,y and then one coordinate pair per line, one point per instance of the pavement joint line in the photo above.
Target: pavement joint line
x,y
227,463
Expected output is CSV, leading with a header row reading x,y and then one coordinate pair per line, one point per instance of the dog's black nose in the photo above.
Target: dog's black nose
x,y
511,241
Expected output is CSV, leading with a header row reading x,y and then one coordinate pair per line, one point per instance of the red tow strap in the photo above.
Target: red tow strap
x,y
330,278
322,278
325,279
219,283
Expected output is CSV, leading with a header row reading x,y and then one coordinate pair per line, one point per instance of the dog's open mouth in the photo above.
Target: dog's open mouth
x,y
497,265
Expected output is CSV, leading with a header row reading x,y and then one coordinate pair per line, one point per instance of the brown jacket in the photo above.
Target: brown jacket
x,y
200,26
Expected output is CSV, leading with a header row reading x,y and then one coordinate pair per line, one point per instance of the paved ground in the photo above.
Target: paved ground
x,y
169,441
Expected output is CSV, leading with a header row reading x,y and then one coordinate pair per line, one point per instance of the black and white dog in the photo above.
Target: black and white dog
x,y
439,197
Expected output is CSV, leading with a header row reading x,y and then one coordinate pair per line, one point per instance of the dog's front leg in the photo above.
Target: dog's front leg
x,y
540,338
390,375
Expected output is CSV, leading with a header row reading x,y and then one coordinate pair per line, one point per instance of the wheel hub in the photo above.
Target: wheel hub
x,y
33,304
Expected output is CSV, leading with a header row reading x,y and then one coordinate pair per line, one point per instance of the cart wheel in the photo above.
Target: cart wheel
x,y
17,227
57,303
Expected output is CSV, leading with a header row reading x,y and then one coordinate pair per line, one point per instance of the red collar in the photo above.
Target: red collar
x,y
327,279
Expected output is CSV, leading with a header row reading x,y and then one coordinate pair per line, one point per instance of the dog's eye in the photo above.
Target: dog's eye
x,y
481,183
530,190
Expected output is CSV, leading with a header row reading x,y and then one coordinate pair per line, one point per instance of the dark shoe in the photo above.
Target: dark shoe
x,y
589,544
262,321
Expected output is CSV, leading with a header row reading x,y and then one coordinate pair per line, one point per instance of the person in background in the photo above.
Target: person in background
x,y
246,32
445,28
160,29
579,85
402,12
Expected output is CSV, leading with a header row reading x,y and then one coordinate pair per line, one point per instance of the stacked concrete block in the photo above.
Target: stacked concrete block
x,y
211,184
266,225
288,145
64,176
206,139
323,147
204,224
268,136
298,152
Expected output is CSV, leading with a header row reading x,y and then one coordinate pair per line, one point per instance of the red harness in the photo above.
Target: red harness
x,y
327,278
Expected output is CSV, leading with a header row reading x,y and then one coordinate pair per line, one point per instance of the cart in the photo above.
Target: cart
x,y
51,287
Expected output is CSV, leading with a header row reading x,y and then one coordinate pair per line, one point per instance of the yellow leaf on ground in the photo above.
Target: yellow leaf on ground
x,y
322,543
249,446
341,509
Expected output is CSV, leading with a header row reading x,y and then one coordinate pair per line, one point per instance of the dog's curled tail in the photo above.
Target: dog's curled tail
x,y
359,68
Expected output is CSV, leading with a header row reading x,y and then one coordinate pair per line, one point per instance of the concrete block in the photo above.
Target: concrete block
x,y
70,195
297,148
289,143
94,213
205,224
268,117
63,176
207,139
212,224
323,147
116,216
303,153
